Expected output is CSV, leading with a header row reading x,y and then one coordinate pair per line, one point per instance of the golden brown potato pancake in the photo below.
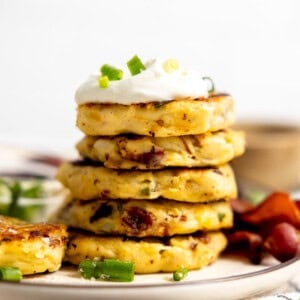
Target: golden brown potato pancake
x,y
161,119
149,255
181,184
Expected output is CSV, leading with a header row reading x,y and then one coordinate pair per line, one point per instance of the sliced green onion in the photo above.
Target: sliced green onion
x,y
103,82
211,84
135,65
170,65
111,72
108,269
87,268
180,274
115,270
10,274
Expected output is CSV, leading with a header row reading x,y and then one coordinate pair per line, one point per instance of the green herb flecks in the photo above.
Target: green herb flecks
x,y
221,216
146,191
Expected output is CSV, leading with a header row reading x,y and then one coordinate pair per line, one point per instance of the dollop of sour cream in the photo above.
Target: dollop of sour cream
x,y
152,84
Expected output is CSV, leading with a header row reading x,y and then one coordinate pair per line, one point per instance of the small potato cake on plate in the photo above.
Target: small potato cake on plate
x,y
34,248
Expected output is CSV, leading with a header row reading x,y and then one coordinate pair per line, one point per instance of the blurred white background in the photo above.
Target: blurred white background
x,y
251,49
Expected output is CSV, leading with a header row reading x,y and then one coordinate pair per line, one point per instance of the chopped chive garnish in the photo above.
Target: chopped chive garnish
x,y
115,270
10,274
210,84
108,269
135,65
103,82
111,72
87,269
180,274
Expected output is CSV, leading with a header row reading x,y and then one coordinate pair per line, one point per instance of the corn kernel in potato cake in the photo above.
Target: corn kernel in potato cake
x,y
34,248
183,184
141,152
150,255
160,119
142,218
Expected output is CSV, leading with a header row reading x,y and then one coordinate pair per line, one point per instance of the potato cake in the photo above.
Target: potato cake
x,y
87,181
143,218
161,119
141,152
149,255
34,248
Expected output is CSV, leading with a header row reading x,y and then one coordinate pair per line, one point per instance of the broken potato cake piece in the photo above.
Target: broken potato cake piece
x,y
33,248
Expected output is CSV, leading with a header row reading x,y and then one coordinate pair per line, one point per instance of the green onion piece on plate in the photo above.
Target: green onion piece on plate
x,y
103,82
108,269
115,270
210,84
180,274
111,72
87,268
10,274
135,65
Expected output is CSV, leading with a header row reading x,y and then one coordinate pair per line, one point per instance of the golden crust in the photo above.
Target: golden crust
x,y
160,119
143,218
149,255
34,248
188,185
123,152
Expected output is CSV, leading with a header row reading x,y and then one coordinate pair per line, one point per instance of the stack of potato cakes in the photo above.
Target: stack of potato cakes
x,y
154,182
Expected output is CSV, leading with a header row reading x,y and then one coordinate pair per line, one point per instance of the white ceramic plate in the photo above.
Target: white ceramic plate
x,y
228,278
